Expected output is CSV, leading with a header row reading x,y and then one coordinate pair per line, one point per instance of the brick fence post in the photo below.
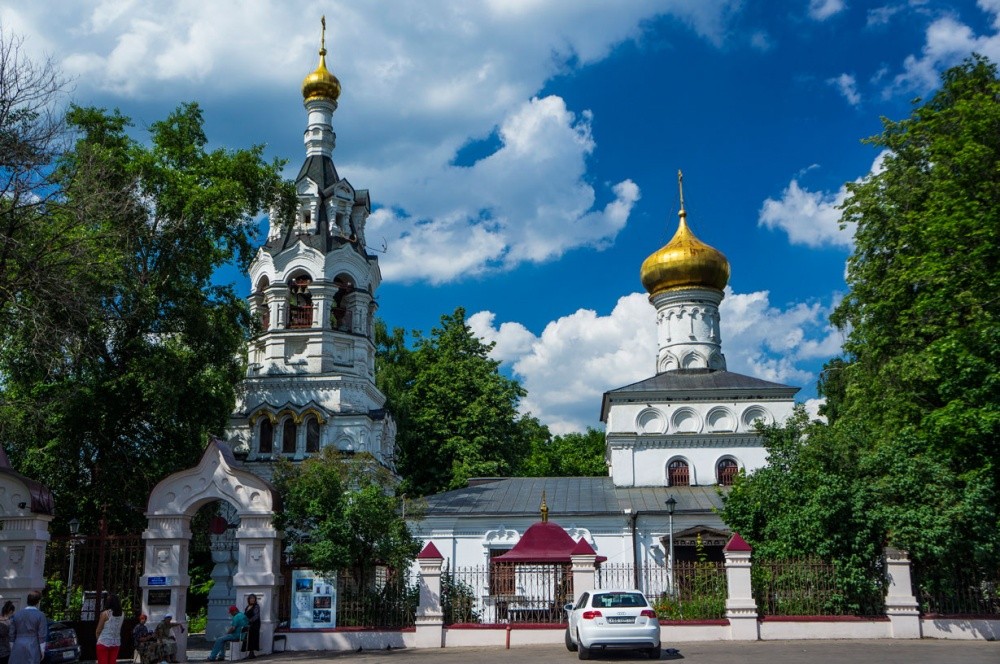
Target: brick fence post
x,y
584,560
900,605
430,617
741,609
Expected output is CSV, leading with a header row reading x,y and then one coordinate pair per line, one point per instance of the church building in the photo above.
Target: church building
x,y
310,378
671,441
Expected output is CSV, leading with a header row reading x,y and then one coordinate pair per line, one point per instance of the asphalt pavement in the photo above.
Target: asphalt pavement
x,y
887,651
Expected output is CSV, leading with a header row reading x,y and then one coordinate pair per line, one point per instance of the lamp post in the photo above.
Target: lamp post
x,y
671,504
74,529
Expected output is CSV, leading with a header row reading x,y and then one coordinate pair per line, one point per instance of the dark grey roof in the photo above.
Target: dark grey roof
x,y
699,383
522,496
319,169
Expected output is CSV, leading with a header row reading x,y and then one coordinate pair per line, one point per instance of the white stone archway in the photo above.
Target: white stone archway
x,y
172,504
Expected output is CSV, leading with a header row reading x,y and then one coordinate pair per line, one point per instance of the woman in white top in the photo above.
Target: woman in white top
x,y
109,631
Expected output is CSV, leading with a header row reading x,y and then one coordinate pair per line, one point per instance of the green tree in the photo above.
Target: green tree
x,y
457,414
339,513
138,382
923,333
909,456
568,455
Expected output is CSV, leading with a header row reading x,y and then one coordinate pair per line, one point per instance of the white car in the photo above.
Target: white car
x,y
612,619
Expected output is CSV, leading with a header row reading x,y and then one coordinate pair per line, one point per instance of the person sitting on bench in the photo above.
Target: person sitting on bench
x,y
233,633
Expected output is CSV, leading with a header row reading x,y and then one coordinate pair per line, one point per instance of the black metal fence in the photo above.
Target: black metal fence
x,y
964,593
506,593
698,590
80,569
813,587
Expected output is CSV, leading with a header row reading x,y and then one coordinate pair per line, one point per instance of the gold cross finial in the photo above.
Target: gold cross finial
x,y
544,509
322,39
680,187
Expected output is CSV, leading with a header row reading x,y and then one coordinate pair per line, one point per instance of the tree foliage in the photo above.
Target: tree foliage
x,y
909,456
568,455
148,369
457,413
339,513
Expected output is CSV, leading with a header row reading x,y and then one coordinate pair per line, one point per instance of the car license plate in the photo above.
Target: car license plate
x,y
69,654
616,619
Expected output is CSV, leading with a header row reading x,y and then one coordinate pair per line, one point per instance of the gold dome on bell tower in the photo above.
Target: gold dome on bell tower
x,y
685,261
321,84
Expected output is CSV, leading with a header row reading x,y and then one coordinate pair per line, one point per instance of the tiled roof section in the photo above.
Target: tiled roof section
x,y
319,169
698,383
521,496
696,380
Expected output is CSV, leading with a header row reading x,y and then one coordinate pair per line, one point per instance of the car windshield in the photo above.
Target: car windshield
x,y
618,600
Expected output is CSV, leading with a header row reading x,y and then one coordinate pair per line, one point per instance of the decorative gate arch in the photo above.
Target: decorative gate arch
x,y
172,504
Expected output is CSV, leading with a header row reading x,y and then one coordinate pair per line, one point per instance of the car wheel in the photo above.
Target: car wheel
x,y
583,651
570,644
654,652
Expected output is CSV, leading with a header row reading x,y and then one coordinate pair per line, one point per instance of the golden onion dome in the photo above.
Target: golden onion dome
x,y
321,84
684,262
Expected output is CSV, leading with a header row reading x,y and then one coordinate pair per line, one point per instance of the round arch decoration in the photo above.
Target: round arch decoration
x,y
173,503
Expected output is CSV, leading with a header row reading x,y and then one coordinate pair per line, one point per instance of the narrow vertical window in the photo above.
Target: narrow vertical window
x,y
312,434
265,444
288,437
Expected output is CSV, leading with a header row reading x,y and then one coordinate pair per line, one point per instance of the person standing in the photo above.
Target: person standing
x,y
28,629
109,631
252,612
5,614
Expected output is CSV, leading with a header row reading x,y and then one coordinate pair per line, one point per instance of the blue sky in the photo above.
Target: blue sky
x,y
522,154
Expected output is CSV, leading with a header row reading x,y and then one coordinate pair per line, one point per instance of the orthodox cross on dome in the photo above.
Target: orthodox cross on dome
x,y
680,187
322,36
544,509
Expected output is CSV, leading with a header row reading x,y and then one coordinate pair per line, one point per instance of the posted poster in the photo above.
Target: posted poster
x,y
314,600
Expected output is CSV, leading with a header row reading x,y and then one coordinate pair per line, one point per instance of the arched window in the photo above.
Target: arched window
x,y
265,443
312,434
678,473
288,436
340,315
726,471
300,307
260,302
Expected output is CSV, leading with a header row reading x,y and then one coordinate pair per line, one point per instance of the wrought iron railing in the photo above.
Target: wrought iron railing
x,y
698,590
964,593
507,593
813,587
80,569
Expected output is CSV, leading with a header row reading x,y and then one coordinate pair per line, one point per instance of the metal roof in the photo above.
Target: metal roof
x,y
699,384
522,496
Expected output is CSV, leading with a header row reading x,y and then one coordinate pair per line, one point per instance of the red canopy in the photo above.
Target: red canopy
x,y
543,542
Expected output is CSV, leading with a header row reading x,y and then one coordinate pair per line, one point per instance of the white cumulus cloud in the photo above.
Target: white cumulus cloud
x,y
576,358
848,87
821,10
497,214
811,218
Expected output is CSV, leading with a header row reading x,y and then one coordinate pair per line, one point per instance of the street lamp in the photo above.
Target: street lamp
x,y
671,504
74,529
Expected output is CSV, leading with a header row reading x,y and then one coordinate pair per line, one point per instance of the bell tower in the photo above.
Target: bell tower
x,y
311,370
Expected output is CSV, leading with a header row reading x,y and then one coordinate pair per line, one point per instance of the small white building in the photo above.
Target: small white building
x,y
682,432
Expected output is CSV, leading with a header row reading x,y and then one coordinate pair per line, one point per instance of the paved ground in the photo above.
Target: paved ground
x,y
759,652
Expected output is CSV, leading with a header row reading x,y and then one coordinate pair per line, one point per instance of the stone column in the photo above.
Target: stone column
x,y
430,617
741,609
23,540
584,560
259,558
165,574
900,605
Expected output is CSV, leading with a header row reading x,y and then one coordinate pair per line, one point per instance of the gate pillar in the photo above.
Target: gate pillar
x,y
26,508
